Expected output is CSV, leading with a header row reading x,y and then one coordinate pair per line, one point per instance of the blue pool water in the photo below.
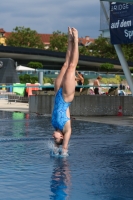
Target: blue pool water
x,y
100,165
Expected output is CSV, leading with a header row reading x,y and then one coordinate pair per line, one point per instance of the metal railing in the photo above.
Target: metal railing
x,y
52,86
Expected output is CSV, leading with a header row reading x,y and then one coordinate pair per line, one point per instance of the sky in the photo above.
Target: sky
x,y
47,16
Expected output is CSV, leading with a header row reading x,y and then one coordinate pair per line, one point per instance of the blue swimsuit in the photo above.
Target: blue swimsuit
x,y
59,117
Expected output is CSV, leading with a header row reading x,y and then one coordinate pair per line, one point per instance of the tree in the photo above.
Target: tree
x,y
26,78
58,41
102,48
84,51
106,66
47,80
127,50
24,37
35,65
131,70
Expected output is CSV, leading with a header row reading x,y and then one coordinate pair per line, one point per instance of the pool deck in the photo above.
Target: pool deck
x,y
24,107
13,106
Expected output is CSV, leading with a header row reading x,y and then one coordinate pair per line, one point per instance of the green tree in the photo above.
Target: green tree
x,y
47,80
117,77
115,80
107,67
127,50
26,78
86,81
24,37
102,48
84,51
58,41
35,65
131,70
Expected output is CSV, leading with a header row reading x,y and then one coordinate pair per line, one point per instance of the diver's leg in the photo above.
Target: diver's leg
x,y
69,77
59,79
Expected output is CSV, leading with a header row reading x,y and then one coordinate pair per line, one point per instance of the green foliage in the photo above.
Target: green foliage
x,y
58,41
34,79
47,80
102,48
116,80
86,81
35,65
84,51
131,70
24,37
106,66
127,50
26,78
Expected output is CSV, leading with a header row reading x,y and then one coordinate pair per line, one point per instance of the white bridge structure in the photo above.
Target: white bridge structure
x,y
104,27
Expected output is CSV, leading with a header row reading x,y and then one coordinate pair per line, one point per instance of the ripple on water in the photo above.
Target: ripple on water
x,y
99,165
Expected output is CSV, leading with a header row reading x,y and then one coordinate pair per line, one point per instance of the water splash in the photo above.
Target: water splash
x,y
129,152
55,151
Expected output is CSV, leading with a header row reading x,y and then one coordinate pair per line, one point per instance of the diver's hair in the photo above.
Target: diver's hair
x,y
99,77
60,142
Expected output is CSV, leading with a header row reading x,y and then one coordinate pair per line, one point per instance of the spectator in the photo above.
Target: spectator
x,y
121,86
80,80
96,85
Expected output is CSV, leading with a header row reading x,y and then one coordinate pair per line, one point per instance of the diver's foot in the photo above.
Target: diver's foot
x,y
75,34
70,35
64,153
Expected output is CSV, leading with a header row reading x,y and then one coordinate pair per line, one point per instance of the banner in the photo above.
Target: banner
x,y
121,23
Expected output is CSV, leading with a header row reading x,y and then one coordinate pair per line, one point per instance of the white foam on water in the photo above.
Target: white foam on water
x,y
50,144
129,152
55,151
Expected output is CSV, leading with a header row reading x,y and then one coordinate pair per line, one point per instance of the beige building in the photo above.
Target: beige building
x,y
2,37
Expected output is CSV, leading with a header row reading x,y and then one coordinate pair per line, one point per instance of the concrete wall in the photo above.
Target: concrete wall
x,y
85,105
42,104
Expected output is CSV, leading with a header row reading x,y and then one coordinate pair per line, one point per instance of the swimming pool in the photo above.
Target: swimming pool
x,y
100,165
